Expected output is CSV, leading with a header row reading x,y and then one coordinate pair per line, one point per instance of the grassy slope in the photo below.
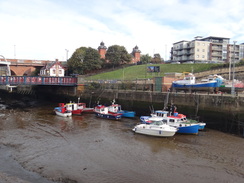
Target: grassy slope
x,y
139,71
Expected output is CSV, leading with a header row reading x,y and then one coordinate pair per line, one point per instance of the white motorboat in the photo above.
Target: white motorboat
x,y
156,128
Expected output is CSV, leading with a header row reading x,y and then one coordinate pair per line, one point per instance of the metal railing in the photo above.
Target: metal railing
x,y
37,80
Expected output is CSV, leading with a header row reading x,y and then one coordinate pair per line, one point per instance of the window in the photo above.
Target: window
x,y
203,56
54,71
203,50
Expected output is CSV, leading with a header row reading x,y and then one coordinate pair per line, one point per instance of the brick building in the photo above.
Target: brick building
x,y
136,53
102,50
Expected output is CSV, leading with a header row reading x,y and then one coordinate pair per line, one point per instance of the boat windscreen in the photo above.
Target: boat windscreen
x,y
157,123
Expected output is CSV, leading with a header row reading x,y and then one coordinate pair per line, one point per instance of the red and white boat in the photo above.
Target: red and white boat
x,y
78,108
102,111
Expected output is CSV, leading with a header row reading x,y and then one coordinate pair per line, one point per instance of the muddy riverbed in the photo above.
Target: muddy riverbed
x,y
38,146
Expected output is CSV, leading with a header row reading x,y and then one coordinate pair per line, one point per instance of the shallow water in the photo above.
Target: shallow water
x,y
88,149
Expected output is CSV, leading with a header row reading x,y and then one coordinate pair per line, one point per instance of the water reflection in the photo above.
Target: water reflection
x,y
66,124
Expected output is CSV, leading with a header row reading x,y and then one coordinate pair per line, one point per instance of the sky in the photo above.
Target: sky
x,y
54,29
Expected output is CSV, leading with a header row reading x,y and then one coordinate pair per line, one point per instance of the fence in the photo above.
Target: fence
x,y
37,80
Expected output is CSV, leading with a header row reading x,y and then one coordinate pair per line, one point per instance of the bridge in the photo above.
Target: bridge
x,y
38,80
21,67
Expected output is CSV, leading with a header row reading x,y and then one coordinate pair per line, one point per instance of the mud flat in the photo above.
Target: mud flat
x,y
37,146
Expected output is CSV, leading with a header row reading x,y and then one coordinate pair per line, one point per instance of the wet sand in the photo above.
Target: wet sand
x,y
36,145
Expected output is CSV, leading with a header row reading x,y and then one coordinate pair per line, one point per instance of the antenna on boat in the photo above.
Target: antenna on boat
x,y
113,101
151,109
166,100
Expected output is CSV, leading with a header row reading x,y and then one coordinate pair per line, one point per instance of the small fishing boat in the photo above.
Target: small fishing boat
x,y
156,128
189,81
128,114
102,111
78,108
116,108
62,111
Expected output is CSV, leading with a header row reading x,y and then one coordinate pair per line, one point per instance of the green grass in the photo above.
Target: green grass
x,y
139,71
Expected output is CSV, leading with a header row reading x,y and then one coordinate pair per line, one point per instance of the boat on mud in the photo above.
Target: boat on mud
x,y
78,107
116,108
102,111
61,110
156,128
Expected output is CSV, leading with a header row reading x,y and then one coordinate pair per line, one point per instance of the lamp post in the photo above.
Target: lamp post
x,y
233,69
66,54
230,68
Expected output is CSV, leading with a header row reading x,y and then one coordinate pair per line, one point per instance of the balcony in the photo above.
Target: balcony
x,y
217,54
217,48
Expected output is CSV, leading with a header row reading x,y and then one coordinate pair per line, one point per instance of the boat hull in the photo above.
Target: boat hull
x,y
77,112
108,116
191,129
65,114
201,126
197,85
157,132
128,114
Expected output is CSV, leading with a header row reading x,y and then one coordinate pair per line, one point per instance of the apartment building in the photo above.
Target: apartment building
x,y
206,50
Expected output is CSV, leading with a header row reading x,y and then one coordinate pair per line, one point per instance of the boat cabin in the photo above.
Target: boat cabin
x,y
101,109
160,113
158,123
174,118
188,79
114,108
74,106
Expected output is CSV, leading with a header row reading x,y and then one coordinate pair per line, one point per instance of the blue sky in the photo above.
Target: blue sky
x,y
44,29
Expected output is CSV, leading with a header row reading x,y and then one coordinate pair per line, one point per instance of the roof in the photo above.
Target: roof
x,y
102,46
181,41
215,37
49,65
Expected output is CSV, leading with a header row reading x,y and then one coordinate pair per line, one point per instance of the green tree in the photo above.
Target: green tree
x,y
157,59
84,60
117,55
76,61
241,62
145,59
91,61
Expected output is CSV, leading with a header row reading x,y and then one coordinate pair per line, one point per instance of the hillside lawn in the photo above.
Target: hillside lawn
x,y
140,71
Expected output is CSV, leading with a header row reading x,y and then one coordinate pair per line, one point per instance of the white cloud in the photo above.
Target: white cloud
x,y
44,29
